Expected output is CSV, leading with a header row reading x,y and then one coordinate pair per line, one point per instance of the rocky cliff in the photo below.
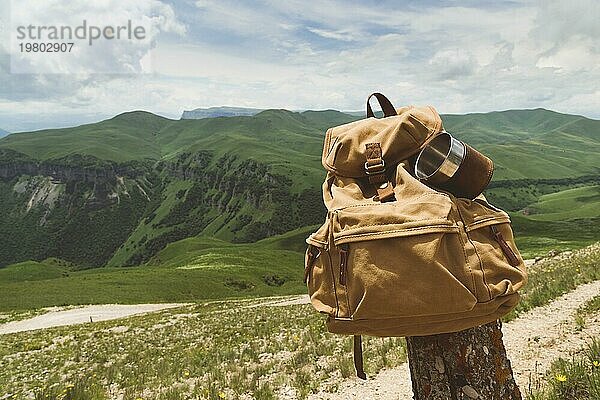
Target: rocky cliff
x,y
93,212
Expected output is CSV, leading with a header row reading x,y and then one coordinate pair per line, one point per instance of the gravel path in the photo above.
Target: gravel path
x,y
286,301
80,315
546,333
104,312
533,341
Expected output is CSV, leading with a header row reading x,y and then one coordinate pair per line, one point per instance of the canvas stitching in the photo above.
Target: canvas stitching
x,y
391,205
480,224
449,229
335,295
439,224
462,243
350,311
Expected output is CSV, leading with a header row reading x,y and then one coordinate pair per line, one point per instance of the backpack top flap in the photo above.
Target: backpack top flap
x,y
399,137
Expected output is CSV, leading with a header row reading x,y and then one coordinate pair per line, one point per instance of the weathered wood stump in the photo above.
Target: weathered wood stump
x,y
471,364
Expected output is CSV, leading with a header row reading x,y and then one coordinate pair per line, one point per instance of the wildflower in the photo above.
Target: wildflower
x,y
186,373
560,377
221,395
596,363
577,270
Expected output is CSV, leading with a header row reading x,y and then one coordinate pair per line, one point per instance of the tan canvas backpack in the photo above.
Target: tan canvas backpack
x,y
396,257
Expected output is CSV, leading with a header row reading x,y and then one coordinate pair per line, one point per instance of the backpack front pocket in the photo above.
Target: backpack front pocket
x,y
402,269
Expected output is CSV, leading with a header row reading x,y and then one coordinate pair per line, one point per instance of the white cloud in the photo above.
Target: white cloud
x,y
453,64
575,55
343,35
332,54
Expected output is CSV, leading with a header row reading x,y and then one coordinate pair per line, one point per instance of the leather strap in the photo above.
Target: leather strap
x,y
311,256
358,357
385,192
386,106
375,170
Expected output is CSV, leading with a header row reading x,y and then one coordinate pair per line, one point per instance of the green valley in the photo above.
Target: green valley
x,y
142,208
187,270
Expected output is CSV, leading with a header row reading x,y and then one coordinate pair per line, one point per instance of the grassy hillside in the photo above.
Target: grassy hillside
x,y
582,202
518,194
552,213
128,136
288,142
523,143
568,218
186,271
531,143
35,271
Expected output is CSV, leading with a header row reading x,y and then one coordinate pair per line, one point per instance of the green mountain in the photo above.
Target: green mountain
x,y
532,143
117,192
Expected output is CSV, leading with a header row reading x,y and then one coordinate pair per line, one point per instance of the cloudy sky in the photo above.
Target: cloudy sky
x,y
460,56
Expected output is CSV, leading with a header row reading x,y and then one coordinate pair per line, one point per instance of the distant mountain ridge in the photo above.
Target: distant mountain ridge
x,y
224,111
118,191
3,133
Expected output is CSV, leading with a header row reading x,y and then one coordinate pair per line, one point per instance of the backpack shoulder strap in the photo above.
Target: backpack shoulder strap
x,y
358,357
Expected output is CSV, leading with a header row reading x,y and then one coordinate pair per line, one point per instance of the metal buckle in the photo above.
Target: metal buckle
x,y
374,169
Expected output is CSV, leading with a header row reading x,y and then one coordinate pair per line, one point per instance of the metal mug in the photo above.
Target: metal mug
x,y
449,164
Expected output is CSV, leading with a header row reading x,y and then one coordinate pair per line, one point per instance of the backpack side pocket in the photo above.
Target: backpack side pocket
x,y
318,272
501,268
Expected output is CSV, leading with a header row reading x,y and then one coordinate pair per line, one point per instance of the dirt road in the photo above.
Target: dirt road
x,y
80,315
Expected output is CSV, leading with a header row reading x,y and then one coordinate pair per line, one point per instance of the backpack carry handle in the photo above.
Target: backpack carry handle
x,y
386,106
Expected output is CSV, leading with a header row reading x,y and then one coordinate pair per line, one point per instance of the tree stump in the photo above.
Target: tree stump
x,y
470,364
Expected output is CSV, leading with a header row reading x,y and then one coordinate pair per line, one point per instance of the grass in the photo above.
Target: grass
x,y
583,202
192,269
227,271
590,307
245,178
200,268
523,143
532,247
554,277
33,271
217,350
574,379
208,351
536,238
